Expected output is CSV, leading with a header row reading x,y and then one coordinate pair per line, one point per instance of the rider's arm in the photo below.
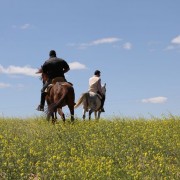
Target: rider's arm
x,y
45,67
66,67
66,70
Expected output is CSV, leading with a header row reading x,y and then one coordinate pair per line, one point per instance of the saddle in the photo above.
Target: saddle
x,y
95,94
60,80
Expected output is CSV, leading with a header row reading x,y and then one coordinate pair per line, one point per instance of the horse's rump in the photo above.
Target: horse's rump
x,y
89,100
94,101
61,94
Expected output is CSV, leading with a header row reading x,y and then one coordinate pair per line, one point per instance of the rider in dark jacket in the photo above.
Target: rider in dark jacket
x,y
53,67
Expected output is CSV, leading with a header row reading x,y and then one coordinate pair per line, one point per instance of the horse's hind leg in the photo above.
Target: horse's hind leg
x,y
90,112
84,114
49,116
71,108
95,114
99,113
55,114
53,118
61,114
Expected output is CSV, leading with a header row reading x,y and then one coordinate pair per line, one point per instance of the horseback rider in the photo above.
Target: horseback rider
x,y
53,67
95,86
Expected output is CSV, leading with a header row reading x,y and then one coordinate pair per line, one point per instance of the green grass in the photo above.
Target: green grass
x,y
118,148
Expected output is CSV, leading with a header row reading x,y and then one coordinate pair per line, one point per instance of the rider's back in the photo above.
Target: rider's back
x,y
54,67
94,84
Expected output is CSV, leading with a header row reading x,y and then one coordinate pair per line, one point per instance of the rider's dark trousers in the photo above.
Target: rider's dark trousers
x,y
43,94
102,99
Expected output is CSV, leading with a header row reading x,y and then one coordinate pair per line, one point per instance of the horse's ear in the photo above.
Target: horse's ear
x,y
105,85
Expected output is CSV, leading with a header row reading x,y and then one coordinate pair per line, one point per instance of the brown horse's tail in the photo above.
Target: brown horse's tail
x,y
79,102
53,106
65,90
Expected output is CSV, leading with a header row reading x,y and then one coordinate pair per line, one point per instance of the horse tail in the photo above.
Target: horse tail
x,y
79,102
53,107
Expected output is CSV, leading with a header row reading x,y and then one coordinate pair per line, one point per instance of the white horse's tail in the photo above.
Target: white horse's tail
x,y
80,101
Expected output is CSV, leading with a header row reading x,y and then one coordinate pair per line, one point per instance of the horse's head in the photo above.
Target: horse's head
x,y
44,77
104,89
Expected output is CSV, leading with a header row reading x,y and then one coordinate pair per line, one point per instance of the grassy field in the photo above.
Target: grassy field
x,y
119,148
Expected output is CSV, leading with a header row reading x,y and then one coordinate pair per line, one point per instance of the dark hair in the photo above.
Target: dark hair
x,y
97,72
52,53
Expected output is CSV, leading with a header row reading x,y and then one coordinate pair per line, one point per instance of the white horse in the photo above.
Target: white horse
x,y
91,102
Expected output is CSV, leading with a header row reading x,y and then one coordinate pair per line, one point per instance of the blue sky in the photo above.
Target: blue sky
x,y
135,44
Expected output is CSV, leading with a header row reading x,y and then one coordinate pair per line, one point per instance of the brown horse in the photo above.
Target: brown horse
x,y
59,94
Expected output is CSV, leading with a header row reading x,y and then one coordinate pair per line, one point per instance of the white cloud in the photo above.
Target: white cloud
x,y
176,40
16,70
76,66
127,46
4,85
175,44
155,100
104,41
23,27
96,42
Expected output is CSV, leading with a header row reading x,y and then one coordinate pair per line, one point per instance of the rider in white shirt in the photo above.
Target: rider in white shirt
x,y
95,86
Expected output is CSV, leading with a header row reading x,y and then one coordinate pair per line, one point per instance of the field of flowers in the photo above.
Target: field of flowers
x,y
119,148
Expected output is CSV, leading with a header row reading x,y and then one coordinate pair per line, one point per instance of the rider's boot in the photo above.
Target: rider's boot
x,y
43,95
42,103
102,109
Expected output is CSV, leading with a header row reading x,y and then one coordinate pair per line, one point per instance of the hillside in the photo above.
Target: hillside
x,y
119,148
